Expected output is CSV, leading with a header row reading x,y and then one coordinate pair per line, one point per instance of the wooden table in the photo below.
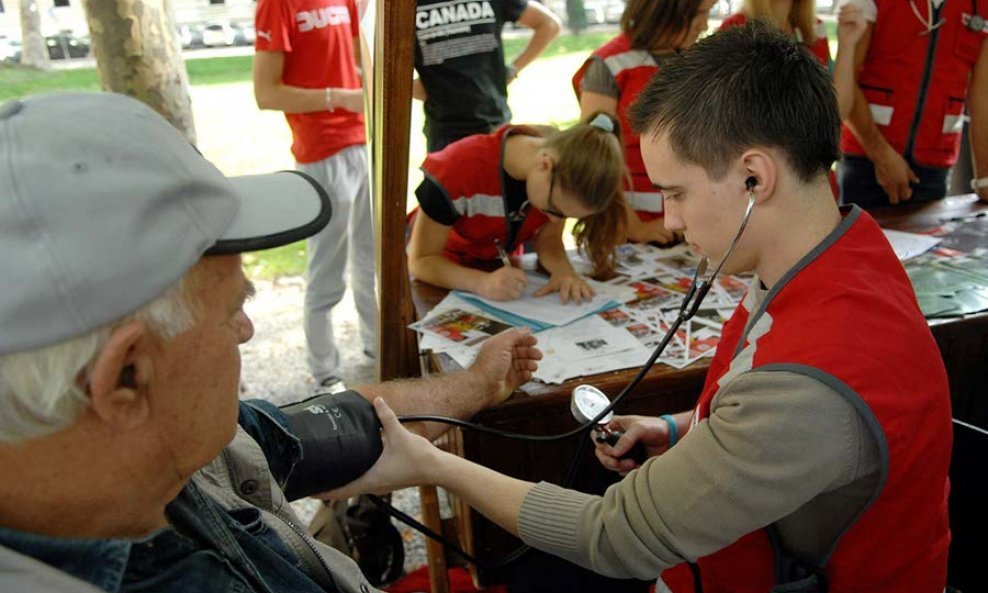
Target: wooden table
x,y
545,409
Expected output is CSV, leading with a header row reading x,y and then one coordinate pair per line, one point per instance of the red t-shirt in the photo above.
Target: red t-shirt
x,y
317,38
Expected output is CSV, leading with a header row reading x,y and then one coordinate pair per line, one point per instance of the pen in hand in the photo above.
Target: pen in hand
x,y
507,282
502,254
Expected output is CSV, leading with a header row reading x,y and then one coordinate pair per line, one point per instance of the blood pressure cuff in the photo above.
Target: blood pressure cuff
x,y
341,439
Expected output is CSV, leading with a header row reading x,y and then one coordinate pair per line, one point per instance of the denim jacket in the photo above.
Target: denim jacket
x,y
232,531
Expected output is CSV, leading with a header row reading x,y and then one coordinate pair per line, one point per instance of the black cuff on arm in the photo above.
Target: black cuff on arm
x,y
434,202
341,439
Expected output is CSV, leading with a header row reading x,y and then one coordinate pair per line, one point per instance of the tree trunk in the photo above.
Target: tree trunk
x,y
576,16
138,54
34,53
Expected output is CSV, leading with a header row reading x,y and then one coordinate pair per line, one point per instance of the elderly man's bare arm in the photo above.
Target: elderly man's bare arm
x,y
505,362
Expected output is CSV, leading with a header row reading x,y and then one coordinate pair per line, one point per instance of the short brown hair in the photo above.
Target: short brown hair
x,y
742,87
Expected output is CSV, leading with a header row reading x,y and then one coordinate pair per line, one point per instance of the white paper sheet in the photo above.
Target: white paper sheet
x,y
909,245
546,309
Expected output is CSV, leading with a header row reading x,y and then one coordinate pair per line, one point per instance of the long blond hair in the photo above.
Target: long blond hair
x,y
589,163
802,17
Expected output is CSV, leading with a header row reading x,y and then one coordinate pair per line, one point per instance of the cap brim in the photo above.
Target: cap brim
x,y
275,210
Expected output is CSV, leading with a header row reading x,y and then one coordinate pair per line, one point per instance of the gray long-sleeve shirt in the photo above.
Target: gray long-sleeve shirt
x,y
778,447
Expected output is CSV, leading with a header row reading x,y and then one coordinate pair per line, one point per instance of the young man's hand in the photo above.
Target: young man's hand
x,y
651,432
406,460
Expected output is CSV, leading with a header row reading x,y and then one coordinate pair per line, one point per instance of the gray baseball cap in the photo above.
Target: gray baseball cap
x,y
104,205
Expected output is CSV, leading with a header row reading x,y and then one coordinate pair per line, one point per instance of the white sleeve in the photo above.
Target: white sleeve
x,y
868,8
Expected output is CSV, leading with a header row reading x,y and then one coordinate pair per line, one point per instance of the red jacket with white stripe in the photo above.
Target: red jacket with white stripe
x,y
631,69
469,171
916,81
847,315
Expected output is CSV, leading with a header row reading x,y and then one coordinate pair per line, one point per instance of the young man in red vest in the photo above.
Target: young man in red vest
x,y
305,65
819,448
917,67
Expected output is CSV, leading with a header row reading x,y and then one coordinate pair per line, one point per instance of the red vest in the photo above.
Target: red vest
x,y
919,112
848,315
469,171
632,69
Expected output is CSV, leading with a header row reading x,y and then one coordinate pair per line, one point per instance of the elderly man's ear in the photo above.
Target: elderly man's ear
x,y
119,379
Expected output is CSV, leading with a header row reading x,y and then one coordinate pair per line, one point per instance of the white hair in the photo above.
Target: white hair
x,y
43,391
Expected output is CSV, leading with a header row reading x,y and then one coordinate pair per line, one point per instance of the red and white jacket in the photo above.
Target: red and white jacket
x,y
916,81
469,172
876,350
632,69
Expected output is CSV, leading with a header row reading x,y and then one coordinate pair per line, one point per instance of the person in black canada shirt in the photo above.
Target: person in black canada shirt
x,y
462,75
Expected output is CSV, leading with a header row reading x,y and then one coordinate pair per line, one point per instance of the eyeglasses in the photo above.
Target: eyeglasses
x,y
550,209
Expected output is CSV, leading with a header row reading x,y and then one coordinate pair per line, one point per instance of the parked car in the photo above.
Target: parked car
x,y
10,51
190,35
600,12
219,35
596,12
66,45
246,35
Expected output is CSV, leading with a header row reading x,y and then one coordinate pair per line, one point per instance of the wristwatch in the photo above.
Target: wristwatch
x,y
979,183
510,72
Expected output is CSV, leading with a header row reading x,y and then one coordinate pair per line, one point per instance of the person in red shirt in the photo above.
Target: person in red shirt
x,y
305,65
611,78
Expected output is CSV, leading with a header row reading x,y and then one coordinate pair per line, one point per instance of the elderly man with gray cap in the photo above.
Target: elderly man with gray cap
x,y
126,460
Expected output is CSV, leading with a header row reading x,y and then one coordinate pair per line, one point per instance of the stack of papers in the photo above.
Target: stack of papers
x,y
617,330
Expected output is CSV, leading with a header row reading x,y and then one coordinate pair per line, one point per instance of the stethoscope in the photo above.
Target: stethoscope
x,y
975,23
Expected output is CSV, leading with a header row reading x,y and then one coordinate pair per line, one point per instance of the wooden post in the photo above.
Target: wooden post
x,y
393,39
436,555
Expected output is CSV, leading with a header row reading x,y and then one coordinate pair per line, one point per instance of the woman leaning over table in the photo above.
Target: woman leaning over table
x,y
488,194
